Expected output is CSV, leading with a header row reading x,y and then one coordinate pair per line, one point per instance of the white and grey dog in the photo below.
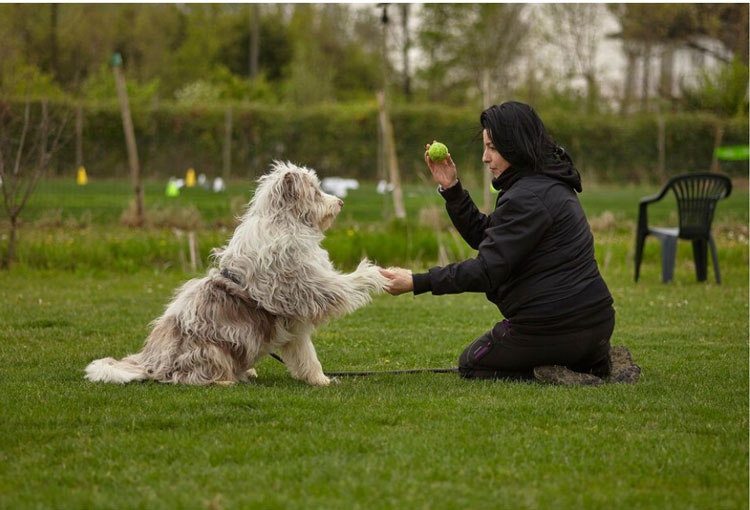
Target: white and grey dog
x,y
273,286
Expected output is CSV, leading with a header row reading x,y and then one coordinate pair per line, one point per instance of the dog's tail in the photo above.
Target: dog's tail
x,y
110,370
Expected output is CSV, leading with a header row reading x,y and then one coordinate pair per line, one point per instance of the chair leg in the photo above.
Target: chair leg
x,y
700,256
668,255
639,241
716,259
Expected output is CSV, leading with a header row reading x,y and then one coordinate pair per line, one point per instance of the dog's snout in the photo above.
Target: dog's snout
x,y
341,203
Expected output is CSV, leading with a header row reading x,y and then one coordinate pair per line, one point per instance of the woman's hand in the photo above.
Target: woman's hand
x,y
399,280
444,172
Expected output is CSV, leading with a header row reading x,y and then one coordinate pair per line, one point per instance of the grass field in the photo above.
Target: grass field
x,y
678,439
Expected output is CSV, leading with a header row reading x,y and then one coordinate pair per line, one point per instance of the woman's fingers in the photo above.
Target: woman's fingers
x,y
388,274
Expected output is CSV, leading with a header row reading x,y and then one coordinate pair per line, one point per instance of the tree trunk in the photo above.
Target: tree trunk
x,y
254,40
227,154
11,242
127,124
719,134
53,52
405,49
629,85
645,84
79,136
666,75
394,174
661,147
592,93
486,176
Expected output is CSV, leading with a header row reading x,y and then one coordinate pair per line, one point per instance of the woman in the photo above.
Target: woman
x,y
535,261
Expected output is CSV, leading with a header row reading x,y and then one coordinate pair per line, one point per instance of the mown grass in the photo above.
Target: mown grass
x,y
678,439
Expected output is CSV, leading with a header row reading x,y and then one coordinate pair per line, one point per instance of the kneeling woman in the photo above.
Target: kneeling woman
x,y
535,259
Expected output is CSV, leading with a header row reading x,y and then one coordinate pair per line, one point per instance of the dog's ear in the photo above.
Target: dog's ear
x,y
290,186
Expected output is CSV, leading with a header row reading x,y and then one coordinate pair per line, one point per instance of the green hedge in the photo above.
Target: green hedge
x,y
343,139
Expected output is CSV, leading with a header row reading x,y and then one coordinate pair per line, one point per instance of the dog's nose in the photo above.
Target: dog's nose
x,y
341,203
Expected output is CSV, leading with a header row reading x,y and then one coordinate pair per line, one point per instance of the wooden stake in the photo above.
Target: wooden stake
x,y
127,125
390,143
193,251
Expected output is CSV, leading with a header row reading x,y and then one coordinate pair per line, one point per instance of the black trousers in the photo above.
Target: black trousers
x,y
502,353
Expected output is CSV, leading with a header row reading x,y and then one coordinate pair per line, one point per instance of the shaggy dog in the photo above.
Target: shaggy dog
x,y
274,284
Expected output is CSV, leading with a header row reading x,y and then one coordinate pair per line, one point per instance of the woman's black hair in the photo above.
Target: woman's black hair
x,y
519,135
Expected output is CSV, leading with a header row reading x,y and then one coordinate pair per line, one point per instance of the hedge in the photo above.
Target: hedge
x,y
342,140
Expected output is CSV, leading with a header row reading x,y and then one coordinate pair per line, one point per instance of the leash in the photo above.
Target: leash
x,y
226,273
379,372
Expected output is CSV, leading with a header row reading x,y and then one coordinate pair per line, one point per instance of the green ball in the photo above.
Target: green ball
x,y
438,152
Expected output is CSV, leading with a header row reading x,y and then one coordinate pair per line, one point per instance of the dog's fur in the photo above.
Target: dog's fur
x,y
215,330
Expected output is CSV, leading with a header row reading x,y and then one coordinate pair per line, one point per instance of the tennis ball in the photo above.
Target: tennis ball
x,y
438,152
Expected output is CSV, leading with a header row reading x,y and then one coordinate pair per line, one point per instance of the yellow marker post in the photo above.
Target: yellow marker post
x,y
82,179
190,178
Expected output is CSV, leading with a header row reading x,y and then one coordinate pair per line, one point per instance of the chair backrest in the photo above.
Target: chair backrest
x,y
697,195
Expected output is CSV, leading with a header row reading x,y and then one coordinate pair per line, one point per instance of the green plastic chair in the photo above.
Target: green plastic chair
x,y
697,195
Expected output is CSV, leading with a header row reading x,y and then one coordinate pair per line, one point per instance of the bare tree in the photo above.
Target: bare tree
x,y
576,31
27,144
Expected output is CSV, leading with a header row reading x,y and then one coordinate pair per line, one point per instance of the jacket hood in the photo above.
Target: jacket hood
x,y
561,167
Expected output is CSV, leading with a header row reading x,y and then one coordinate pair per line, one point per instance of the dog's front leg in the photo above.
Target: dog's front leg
x,y
302,361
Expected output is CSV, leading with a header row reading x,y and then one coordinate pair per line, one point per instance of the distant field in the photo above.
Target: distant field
x,y
105,201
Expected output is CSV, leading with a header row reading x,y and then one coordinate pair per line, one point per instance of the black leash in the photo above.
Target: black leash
x,y
378,372
226,273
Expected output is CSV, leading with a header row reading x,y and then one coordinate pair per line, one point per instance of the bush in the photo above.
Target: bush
x,y
342,139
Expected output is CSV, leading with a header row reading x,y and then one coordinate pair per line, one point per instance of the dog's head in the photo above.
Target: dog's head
x,y
295,191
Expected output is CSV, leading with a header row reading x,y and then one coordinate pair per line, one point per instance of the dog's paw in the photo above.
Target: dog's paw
x,y
369,275
319,380
251,373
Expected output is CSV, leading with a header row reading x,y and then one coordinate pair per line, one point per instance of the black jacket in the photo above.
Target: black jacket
x,y
536,255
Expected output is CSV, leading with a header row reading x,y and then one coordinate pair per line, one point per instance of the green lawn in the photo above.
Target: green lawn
x,y
678,439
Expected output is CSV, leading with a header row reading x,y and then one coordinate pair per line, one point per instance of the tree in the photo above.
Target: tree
x,y
649,30
575,30
481,44
27,143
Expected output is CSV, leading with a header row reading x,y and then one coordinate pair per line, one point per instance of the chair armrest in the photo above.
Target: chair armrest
x,y
653,198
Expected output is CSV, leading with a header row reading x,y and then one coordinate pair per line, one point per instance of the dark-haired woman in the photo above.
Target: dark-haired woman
x,y
535,261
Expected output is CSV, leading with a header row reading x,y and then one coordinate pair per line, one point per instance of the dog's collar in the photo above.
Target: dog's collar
x,y
226,273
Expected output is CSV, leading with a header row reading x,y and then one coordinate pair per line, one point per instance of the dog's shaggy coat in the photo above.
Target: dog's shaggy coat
x,y
216,329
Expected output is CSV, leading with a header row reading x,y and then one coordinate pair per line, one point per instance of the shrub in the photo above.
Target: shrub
x,y
342,140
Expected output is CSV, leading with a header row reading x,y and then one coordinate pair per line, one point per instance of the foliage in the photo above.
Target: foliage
x,y
341,139
724,93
